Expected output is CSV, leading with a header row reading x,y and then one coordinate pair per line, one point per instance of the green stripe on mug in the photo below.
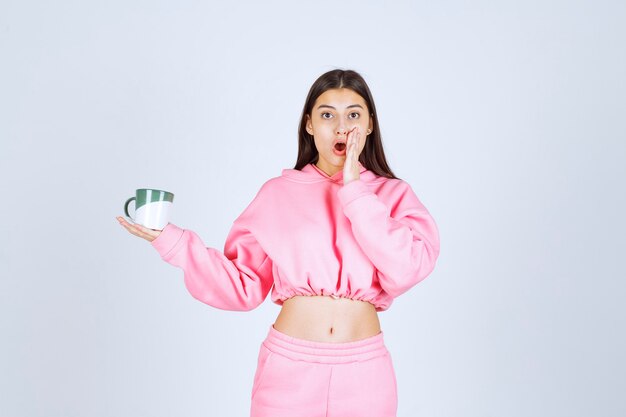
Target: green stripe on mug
x,y
144,196
150,195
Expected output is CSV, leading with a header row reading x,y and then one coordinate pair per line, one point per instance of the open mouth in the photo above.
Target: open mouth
x,y
340,146
339,149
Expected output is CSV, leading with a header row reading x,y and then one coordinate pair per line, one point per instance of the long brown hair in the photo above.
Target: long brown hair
x,y
373,156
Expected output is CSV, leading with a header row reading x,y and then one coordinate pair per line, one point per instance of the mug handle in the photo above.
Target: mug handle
x,y
126,208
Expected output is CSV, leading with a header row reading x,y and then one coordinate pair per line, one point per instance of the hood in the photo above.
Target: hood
x,y
311,173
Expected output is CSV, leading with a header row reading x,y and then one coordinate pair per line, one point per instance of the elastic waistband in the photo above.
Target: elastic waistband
x,y
325,352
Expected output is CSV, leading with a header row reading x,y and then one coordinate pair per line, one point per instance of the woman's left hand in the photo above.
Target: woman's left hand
x,y
351,164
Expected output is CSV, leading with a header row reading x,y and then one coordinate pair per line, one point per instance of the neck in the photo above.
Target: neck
x,y
330,171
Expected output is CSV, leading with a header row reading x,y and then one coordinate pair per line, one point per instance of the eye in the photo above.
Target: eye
x,y
354,115
324,115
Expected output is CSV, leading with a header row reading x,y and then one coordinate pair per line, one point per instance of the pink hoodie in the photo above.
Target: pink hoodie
x,y
308,234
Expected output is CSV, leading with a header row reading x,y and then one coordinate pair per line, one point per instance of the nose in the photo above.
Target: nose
x,y
341,129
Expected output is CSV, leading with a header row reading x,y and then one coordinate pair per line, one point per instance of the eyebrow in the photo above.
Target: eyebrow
x,y
331,107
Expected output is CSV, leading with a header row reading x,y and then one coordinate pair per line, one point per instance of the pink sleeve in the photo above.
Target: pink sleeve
x,y
239,279
403,245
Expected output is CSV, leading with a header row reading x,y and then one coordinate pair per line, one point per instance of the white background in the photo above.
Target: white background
x,y
507,119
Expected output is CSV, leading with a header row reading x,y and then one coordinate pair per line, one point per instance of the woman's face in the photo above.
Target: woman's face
x,y
335,113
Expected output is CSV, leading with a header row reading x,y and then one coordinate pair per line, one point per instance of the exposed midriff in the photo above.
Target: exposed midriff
x,y
327,319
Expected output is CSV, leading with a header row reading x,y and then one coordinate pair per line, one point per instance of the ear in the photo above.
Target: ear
x,y
309,125
371,124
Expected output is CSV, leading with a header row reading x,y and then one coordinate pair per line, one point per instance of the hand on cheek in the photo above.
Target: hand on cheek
x,y
351,167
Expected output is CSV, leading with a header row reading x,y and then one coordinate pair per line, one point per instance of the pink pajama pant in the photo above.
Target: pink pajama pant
x,y
302,378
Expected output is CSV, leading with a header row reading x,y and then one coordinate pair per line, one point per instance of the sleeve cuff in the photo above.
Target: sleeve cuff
x,y
167,240
351,191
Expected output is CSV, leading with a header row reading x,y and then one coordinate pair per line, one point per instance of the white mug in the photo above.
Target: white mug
x,y
153,208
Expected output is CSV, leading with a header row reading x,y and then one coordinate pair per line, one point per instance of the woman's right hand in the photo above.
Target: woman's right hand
x,y
139,230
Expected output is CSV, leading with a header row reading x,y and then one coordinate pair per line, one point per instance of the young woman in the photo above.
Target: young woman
x,y
336,239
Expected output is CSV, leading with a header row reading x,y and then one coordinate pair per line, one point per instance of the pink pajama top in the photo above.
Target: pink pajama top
x,y
306,233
